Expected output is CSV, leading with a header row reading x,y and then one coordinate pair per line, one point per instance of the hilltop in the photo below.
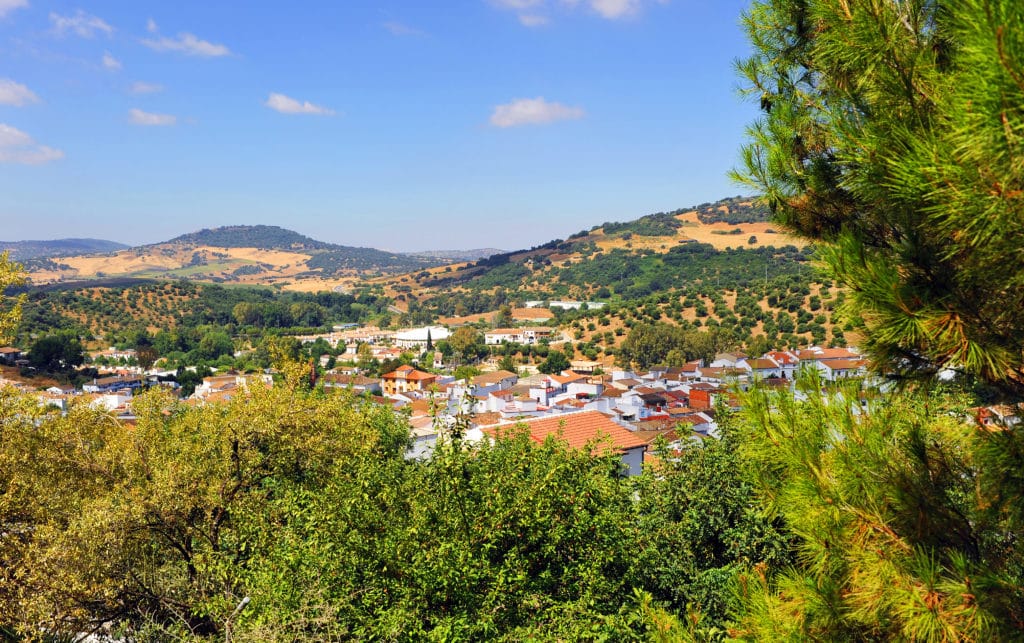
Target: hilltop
x,y
252,236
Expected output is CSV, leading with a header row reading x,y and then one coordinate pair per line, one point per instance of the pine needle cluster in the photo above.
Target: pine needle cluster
x,y
892,135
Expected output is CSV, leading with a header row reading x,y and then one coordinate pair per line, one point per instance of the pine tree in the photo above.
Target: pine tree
x,y
906,520
893,136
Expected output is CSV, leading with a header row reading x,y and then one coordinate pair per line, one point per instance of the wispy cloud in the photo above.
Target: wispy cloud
x,y
518,5
139,117
533,111
7,6
140,87
613,9
532,20
184,43
80,23
110,62
289,105
402,29
532,13
18,147
12,93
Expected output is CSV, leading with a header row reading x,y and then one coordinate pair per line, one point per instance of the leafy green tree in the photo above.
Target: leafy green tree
x,y
11,275
555,363
507,363
891,136
57,353
467,342
214,344
154,526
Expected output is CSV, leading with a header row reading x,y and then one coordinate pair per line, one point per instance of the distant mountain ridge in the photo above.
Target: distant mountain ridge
x,y
38,249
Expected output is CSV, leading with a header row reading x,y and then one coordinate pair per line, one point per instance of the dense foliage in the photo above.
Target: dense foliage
x,y
653,225
908,515
892,134
180,305
10,306
252,236
733,211
304,502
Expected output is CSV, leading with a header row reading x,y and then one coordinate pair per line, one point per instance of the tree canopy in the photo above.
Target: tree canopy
x,y
11,275
892,135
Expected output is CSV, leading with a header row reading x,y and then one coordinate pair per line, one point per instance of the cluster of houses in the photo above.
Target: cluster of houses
x,y
621,410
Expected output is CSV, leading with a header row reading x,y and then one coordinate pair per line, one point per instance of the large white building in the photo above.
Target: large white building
x,y
417,337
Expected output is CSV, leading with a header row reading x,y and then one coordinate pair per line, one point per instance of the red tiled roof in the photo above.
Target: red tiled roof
x,y
827,353
579,429
782,357
493,377
408,373
843,364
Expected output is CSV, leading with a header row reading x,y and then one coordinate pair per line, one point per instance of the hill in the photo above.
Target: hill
x,y
718,265
37,249
251,236
265,255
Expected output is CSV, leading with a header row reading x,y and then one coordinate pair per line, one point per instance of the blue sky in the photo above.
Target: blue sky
x,y
394,124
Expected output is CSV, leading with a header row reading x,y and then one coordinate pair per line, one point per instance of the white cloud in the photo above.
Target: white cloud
x,y
187,44
140,87
18,147
12,93
518,5
151,26
289,105
401,29
532,20
533,111
110,62
531,12
81,23
139,117
7,6
613,9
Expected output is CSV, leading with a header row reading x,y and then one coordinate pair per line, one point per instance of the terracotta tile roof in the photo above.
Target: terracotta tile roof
x,y
408,373
627,382
486,379
761,364
827,353
578,430
568,378
782,357
487,419
843,364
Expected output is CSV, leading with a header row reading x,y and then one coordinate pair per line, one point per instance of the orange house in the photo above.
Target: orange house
x,y
406,378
